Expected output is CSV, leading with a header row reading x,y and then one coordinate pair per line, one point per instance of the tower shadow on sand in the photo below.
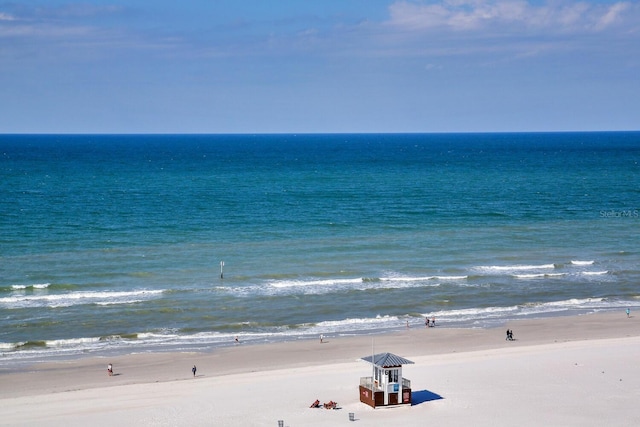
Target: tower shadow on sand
x,y
422,396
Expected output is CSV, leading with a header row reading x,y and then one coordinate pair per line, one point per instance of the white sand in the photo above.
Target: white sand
x,y
574,371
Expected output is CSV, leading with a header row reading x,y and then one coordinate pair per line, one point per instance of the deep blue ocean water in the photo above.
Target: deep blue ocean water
x,y
114,243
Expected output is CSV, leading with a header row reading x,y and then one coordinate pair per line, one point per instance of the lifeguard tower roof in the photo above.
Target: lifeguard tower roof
x,y
386,360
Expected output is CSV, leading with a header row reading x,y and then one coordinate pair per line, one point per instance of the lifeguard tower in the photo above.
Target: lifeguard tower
x,y
386,387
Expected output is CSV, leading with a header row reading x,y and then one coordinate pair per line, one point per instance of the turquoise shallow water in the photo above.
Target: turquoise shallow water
x,y
114,243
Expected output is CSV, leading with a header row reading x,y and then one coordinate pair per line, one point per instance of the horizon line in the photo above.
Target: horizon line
x,y
308,133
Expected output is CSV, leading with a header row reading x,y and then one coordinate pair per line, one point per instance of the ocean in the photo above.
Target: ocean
x,y
113,244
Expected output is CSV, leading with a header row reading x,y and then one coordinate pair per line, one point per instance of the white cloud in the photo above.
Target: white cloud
x,y
6,17
612,15
466,15
44,31
74,31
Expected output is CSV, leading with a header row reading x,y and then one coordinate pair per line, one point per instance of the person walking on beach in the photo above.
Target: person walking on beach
x,y
628,313
110,369
194,369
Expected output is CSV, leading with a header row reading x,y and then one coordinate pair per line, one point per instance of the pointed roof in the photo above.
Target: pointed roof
x,y
387,360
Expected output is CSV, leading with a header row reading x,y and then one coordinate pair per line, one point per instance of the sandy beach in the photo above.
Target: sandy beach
x,y
562,371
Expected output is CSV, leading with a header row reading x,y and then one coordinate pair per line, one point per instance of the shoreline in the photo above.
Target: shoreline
x,y
246,358
11,359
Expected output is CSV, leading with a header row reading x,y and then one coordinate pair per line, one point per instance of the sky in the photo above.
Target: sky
x,y
318,66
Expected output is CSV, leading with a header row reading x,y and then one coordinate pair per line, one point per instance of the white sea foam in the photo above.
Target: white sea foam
x,y
487,315
510,268
76,298
582,262
315,286
577,302
6,346
537,275
406,279
73,342
133,301
355,321
34,286
155,335
569,305
595,273
422,279
370,282
350,326
472,313
328,282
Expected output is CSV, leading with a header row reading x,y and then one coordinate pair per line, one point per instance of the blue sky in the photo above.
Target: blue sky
x,y
257,66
